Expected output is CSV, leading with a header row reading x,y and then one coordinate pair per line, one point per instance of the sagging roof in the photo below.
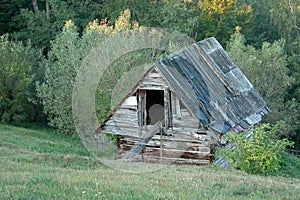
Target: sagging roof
x,y
212,87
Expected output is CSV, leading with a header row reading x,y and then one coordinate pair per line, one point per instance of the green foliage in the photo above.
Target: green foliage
x,y
140,10
260,21
81,12
180,16
198,19
260,29
266,68
293,106
202,19
41,30
8,11
258,152
68,50
285,15
219,18
19,68
272,20
56,90
34,27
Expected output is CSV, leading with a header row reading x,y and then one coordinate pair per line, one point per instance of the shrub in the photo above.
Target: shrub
x,y
256,151
19,68
68,50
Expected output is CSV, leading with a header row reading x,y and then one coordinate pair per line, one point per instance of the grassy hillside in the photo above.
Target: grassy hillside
x,y
42,165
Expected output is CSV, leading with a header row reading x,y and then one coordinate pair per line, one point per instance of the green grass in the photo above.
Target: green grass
x,y
37,164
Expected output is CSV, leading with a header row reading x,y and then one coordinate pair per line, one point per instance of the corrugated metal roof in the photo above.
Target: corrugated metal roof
x,y
212,87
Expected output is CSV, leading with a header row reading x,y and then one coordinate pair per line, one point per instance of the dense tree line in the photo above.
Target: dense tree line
x,y
38,46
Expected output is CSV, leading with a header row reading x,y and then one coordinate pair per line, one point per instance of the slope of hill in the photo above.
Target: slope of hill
x,y
43,165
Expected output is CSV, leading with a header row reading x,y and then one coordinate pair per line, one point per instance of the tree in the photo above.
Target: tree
x,y
267,69
182,16
68,50
293,98
34,27
285,15
140,10
19,68
271,21
41,22
259,29
56,90
219,18
9,9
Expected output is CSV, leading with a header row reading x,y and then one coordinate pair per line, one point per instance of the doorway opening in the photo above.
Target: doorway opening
x,y
154,106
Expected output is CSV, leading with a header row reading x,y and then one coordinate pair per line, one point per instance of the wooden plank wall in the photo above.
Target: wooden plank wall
x,y
179,148
184,142
125,119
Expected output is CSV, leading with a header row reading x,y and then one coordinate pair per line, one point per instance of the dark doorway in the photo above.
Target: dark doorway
x,y
154,106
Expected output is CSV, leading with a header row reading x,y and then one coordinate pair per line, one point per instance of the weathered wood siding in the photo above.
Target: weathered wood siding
x,y
124,121
153,81
183,148
183,140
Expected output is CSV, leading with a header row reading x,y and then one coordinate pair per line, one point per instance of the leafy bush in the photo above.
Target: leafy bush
x,y
68,50
257,151
19,69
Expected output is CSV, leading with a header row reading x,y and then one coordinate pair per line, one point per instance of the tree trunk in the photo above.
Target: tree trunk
x,y
35,6
297,142
47,10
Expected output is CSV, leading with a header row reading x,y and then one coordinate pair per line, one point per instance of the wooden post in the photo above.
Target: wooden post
x,y
142,113
177,106
160,153
166,107
144,110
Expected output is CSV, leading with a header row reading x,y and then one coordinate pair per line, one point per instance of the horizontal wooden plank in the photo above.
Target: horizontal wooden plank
x,y
157,159
186,124
127,144
152,87
175,153
153,79
185,129
121,131
126,112
129,107
118,123
168,139
185,121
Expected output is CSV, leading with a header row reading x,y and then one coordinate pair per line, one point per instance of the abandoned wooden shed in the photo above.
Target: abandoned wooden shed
x,y
179,107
